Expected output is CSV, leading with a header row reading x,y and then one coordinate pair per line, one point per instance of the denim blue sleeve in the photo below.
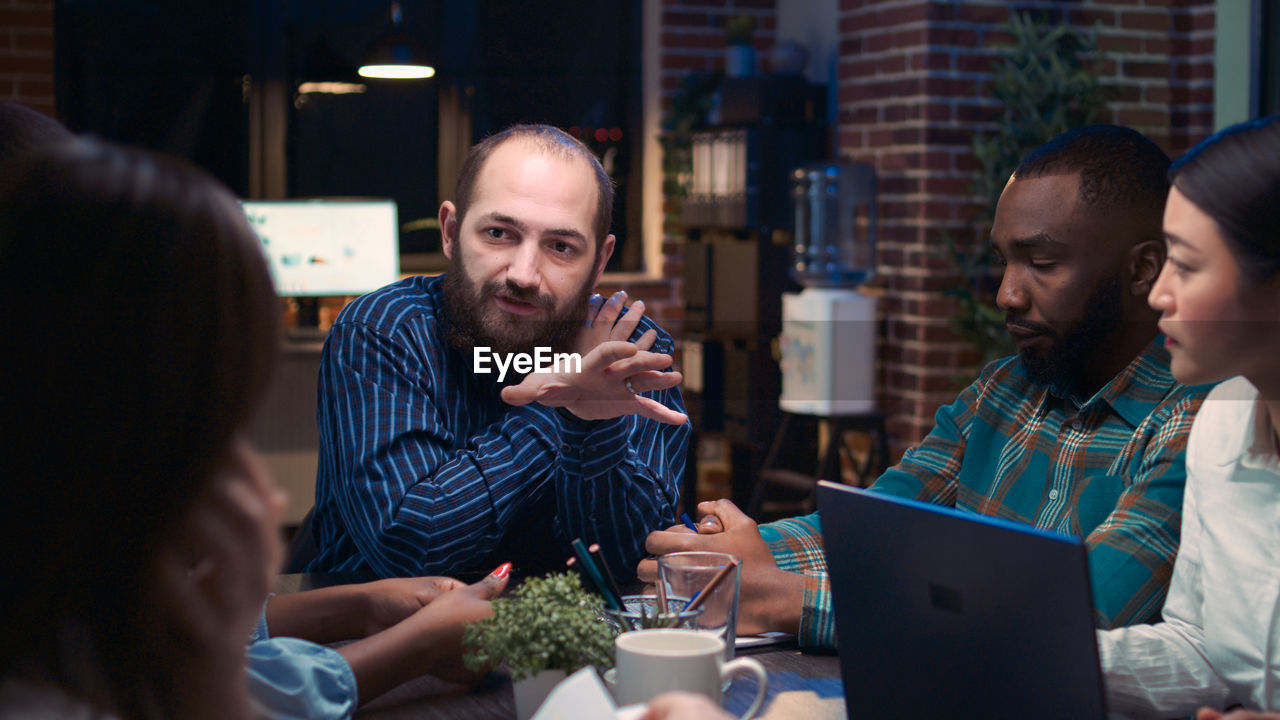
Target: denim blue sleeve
x,y
291,678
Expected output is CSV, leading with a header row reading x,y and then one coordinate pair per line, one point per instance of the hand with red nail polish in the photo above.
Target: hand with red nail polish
x,y
427,642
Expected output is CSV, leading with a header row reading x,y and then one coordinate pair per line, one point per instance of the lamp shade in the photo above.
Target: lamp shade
x,y
396,55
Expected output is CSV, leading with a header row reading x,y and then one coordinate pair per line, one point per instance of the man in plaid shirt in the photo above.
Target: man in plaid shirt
x,y
1084,431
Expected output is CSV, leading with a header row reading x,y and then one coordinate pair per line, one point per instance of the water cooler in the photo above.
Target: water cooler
x,y
829,329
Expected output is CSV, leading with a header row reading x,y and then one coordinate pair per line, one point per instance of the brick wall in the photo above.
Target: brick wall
x,y
908,104
26,53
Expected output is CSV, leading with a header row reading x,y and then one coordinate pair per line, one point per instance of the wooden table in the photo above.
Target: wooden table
x,y
801,685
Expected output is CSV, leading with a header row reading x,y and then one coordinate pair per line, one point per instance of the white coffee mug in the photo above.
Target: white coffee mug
x,y
651,662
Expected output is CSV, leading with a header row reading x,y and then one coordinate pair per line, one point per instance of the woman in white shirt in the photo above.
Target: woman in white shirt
x,y
1219,292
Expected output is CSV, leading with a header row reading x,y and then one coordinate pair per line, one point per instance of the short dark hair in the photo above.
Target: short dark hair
x,y
141,333
24,130
1119,169
1234,177
546,139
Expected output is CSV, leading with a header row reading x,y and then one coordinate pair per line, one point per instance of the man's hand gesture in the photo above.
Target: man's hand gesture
x,y
614,371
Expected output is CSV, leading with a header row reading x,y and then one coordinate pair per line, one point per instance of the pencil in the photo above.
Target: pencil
x,y
594,550
593,572
711,585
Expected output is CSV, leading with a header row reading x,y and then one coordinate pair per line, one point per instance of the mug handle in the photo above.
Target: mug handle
x,y
754,667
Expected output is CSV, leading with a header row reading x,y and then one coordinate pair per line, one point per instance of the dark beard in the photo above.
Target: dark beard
x,y
472,321
1063,364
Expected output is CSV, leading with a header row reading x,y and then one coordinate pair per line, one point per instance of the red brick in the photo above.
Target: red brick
x,y
861,68
671,19
32,65
33,41
1119,44
948,136
1158,45
935,161
14,17
1202,95
879,137
1133,68
949,87
907,136
850,46
893,113
891,64
879,42
992,38
1201,46
33,88
959,37
1193,71
1146,118
977,113
937,112
946,185
977,62
938,210
984,14
1145,21
1123,93
1087,17
1157,94
903,15
909,38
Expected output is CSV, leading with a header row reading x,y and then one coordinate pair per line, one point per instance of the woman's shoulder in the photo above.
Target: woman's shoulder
x,y
1222,426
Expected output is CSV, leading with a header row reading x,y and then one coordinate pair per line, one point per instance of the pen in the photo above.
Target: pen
x,y
688,522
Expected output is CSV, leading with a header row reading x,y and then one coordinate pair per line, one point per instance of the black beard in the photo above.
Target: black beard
x,y
471,319
1063,364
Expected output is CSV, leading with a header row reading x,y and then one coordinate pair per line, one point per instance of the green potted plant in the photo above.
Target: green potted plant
x,y
544,630
1047,81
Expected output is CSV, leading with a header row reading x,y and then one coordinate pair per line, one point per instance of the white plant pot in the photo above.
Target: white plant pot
x,y
531,691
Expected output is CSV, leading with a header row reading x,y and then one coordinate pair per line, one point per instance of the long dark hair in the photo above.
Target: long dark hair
x,y
1234,177
140,331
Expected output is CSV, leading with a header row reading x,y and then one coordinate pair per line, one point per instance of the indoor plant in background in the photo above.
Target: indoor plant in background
x,y
544,630
1046,82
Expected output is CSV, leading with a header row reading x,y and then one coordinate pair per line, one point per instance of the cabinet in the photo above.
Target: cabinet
x,y
737,251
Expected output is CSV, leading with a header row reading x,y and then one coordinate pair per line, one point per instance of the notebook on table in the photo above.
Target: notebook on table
x,y
948,614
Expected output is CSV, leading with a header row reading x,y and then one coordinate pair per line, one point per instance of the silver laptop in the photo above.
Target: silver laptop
x,y
947,614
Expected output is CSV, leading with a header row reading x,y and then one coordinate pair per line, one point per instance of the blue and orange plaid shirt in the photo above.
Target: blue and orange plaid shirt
x,y
1109,468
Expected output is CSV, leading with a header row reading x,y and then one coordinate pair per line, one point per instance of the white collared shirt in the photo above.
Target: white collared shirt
x,y
1220,639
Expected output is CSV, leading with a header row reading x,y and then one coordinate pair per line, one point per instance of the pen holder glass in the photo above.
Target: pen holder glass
x,y
640,612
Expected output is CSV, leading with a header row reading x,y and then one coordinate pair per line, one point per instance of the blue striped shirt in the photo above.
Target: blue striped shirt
x,y
423,468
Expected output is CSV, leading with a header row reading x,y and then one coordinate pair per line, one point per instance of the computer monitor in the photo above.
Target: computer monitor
x,y
330,247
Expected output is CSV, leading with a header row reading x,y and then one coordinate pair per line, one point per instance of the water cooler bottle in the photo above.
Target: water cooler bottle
x,y
828,342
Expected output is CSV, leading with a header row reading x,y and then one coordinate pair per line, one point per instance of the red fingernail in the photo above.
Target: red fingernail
x,y
502,570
